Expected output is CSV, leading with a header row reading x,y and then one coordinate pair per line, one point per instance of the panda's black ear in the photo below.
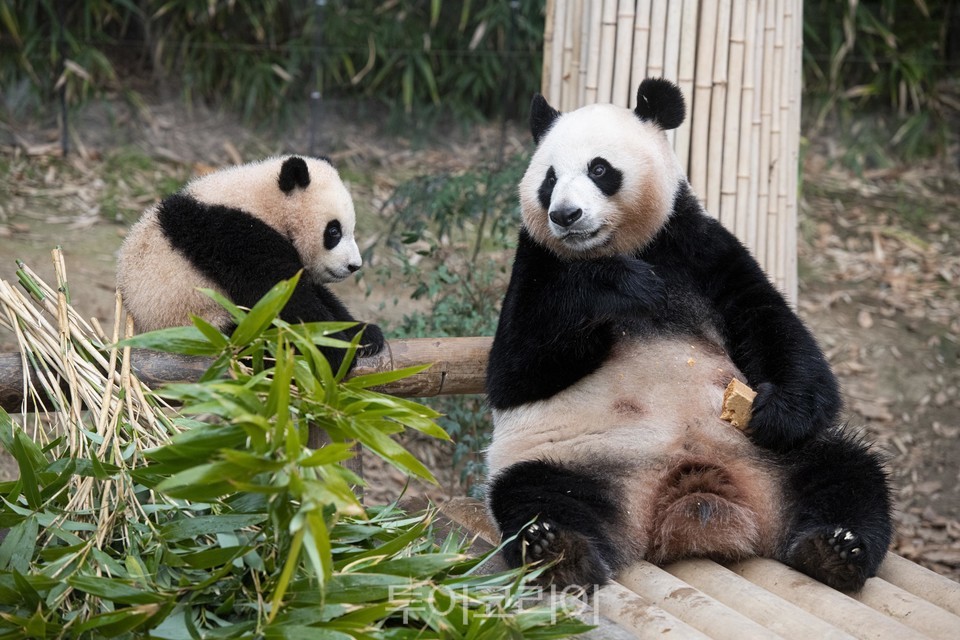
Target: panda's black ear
x,y
293,174
542,116
661,101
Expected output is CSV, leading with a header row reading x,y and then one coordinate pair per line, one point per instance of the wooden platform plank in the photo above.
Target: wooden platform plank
x,y
691,605
922,582
830,605
778,614
640,616
911,610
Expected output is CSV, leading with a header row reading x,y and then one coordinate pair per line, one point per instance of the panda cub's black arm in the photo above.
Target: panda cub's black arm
x,y
246,257
797,393
558,320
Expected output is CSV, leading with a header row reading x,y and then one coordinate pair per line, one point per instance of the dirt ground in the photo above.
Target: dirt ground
x,y
879,256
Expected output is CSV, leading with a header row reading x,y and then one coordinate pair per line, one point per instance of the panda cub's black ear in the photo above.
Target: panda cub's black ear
x,y
293,174
661,101
542,116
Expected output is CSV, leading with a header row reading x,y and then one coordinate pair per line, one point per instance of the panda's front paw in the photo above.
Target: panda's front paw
x,y
643,286
572,558
371,342
779,421
536,541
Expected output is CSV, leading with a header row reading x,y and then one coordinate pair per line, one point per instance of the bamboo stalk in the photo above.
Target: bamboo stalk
x,y
570,75
733,143
718,98
774,223
584,49
794,188
640,60
658,36
671,54
703,84
593,53
620,90
608,37
766,123
559,13
685,78
744,215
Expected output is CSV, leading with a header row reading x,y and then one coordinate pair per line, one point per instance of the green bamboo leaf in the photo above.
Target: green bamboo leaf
x,y
210,332
17,549
386,377
329,454
283,582
183,340
264,312
185,528
114,590
203,482
116,623
25,452
318,546
235,312
392,452
214,557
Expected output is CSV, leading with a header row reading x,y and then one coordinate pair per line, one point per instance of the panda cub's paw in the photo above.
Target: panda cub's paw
x,y
371,342
836,556
574,559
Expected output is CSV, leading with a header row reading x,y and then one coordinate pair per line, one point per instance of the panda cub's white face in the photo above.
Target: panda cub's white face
x,y
601,182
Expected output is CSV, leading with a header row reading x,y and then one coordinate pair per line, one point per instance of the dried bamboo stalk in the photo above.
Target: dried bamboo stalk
x,y
593,53
608,38
640,60
685,77
554,88
718,100
658,36
774,223
620,90
584,49
568,89
747,157
703,85
733,145
766,123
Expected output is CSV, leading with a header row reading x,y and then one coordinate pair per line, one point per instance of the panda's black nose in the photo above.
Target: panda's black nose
x,y
353,267
565,217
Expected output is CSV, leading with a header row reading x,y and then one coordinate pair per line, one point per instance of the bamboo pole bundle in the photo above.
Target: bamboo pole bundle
x,y
733,143
620,91
608,40
737,63
640,60
593,53
571,56
703,85
685,74
792,288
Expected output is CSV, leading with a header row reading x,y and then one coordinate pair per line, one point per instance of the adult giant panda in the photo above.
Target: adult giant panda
x,y
239,231
628,312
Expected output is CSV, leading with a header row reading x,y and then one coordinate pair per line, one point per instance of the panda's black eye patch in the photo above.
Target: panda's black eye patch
x,y
332,235
546,188
605,176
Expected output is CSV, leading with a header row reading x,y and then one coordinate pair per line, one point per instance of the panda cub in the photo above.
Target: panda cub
x,y
239,231
628,312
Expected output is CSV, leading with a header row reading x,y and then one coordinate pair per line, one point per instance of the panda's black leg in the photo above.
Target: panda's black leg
x,y
559,515
841,526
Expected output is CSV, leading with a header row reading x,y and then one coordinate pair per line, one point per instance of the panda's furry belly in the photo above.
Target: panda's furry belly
x,y
692,484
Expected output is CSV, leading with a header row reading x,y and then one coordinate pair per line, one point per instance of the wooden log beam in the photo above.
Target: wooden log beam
x,y
459,366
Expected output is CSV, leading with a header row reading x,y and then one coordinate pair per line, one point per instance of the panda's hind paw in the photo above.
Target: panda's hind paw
x,y
836,556
537,540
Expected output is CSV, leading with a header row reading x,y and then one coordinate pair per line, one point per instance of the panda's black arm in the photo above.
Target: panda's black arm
x,y
557,323
246,257
798,394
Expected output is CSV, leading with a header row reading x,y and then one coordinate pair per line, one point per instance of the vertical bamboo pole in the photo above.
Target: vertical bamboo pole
x,y
685,77
584,14
766,125
733,143
570,75
671,52
547,71
774,231
746,171
555,87
756,128
703,83
641,44
620,91
718,102
593,53
792,289
658,37
608,41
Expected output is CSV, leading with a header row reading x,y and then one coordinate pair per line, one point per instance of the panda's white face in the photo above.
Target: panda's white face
x,y
601,182
330,251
